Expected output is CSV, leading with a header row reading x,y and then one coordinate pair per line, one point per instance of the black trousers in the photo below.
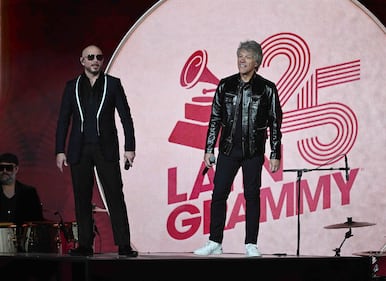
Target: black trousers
x,y
226,170
83,180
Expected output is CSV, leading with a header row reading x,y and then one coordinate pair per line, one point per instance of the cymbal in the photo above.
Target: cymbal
x,y
349,224
370,254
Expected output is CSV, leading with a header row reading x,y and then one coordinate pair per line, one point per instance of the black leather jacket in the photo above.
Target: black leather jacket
x,y
260,110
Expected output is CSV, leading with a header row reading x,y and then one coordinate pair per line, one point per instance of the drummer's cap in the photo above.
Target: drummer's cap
x,y
9,158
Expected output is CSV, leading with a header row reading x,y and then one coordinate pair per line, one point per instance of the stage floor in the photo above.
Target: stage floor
x,y
183,266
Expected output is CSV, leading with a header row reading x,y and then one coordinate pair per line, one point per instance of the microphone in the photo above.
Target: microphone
x,y
212,160
347,167
127,165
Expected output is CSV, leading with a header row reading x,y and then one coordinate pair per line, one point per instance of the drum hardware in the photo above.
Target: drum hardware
x,y
67,236
348,224
62,227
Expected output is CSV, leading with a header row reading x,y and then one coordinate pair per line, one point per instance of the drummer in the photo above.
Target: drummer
x,y
19,203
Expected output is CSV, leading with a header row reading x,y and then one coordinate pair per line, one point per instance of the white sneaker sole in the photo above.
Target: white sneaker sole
x,y
200,252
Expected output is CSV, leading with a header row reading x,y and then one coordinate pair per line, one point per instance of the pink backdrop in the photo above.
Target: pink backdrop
x,y
328,85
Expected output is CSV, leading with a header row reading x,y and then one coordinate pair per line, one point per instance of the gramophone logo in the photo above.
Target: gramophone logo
x,y
192,131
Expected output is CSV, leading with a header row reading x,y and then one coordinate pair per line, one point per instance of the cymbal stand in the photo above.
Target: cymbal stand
x,y
346,236
298,181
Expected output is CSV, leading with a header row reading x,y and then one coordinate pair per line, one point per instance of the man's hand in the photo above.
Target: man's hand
x,y
274,165
129,156
208,159
61,160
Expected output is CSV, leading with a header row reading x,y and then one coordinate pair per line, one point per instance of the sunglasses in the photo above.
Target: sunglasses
x,y
7,167
98,57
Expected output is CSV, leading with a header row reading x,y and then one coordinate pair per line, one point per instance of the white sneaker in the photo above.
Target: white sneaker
x,y
251,250
210,248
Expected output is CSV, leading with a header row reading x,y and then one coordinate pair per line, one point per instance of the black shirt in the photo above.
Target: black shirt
x,y
92,96
7,208
25,205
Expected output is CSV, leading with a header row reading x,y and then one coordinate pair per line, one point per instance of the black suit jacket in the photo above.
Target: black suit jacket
x,y
71,114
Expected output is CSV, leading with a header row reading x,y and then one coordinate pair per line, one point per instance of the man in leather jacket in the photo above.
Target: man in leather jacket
x,y
244,106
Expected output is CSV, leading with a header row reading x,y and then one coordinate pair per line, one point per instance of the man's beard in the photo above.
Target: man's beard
x,y
6,179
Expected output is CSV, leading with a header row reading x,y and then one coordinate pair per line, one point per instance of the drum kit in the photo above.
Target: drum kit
x,y
378,257
40,236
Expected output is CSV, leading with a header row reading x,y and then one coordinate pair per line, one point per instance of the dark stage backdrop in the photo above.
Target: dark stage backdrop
x,y
41,41
41,45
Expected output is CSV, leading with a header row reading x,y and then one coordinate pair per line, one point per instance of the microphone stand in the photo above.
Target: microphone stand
x,y
298,181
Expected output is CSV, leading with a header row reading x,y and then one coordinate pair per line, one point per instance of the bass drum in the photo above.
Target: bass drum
x,y
8,239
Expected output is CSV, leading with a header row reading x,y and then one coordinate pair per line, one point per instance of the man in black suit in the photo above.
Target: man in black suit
x,y
88,104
